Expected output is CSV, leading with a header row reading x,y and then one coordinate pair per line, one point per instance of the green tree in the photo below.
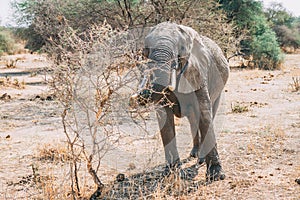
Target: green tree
x,y
7,41
285,25
261,42
242,12
43,18
277,15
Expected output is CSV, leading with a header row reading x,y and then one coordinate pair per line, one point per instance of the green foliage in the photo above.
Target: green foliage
x,y
285,25
277,15
265,50
242,12
45,17
261,40
34,41
7,41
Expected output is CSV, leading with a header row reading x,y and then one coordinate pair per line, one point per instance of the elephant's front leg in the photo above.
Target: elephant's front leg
x,y
208,140
165,118
194,118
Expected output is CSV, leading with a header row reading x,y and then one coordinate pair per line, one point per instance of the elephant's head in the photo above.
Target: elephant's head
x,y
172,67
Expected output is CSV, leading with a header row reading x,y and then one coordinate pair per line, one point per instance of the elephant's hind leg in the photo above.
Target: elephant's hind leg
x,y
216,106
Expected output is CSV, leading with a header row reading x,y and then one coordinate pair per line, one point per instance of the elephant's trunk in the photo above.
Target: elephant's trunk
x,y
164,53
142,95
162,69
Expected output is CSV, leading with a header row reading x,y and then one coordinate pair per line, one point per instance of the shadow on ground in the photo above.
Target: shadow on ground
x,y
153,184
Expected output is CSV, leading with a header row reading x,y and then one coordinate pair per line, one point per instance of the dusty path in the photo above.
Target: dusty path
x,y
259,148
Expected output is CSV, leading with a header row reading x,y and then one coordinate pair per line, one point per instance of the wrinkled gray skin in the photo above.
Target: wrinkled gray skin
x,y
191,71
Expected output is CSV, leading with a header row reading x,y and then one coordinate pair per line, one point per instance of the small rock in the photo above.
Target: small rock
x,y
131,166
7,137
264,82
297,181
5,96
49,98
120,177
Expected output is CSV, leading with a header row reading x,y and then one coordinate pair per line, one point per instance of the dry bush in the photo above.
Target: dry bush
x,y
58,153
92,78
239,107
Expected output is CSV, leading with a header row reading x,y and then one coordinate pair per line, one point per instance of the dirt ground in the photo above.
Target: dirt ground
x,y
258,138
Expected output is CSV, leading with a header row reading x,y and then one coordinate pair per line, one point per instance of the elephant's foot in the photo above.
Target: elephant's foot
x,y
186,174
195,152
175,168
214,172
200,161
172,168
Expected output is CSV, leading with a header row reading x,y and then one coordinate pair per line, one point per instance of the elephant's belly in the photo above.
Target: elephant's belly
x,y
187,103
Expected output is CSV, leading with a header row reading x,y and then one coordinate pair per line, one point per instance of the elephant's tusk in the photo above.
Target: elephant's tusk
x,y
133,100
143,83
134,96
172,85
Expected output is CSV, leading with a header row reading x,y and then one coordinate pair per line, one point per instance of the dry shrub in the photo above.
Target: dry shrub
x,y
57,153
11,63
92,74
239,107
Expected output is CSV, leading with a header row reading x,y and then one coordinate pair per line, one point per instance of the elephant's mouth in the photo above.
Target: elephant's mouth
x,y
158,88
157,94
142,98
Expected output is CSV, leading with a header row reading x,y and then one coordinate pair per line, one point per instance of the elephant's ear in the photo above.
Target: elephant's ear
x,y
192,74
185,44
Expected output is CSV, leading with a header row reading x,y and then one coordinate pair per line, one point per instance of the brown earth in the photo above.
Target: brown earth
x,y
258,141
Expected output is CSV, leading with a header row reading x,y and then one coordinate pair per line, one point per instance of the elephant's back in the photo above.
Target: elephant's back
x,y
218,56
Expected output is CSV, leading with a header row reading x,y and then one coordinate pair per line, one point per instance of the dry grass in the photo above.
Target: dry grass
x,y
260,162
57,153
239,107
295,85
12,63
15,83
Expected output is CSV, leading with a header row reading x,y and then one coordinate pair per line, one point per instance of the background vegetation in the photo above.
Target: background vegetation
x,y
7,41
243,26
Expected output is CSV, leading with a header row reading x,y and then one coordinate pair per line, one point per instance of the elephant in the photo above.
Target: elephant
x,y
185,75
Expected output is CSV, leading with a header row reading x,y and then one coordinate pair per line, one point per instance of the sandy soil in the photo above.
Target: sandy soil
x,y
259,148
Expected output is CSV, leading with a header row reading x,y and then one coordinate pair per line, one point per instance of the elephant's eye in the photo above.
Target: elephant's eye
x,y
146,52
